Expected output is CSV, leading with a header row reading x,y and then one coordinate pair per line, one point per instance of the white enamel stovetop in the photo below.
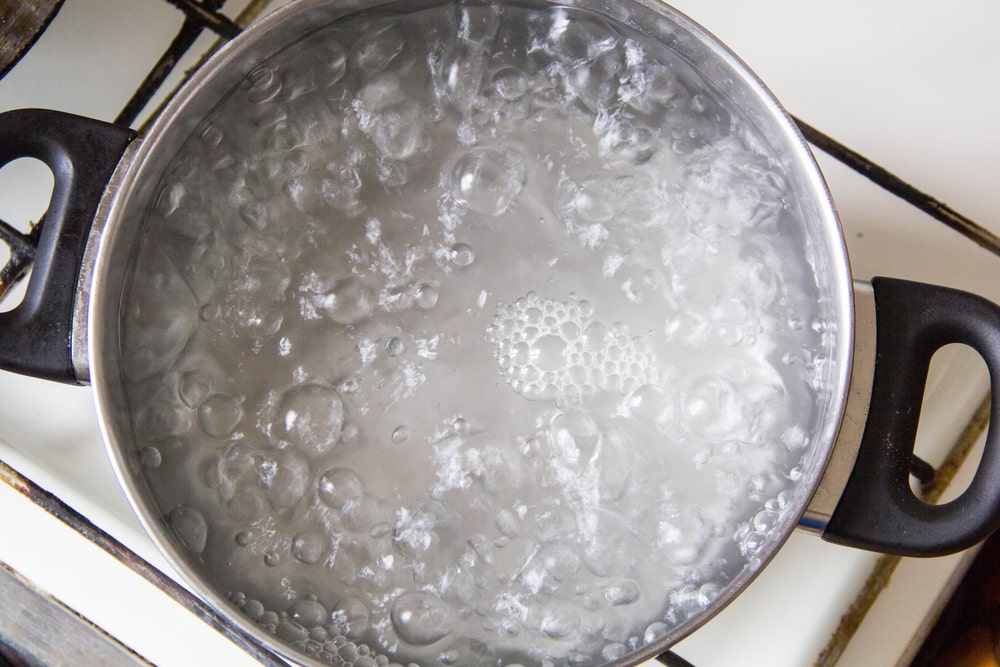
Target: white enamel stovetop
x,y
912,85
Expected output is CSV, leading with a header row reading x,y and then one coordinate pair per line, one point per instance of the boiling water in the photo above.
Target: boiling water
x,y
476,336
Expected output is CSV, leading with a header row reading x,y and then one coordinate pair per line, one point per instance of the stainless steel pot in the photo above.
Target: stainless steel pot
x,y
69,327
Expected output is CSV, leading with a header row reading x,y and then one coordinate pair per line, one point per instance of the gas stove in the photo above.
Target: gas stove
x,y
910,85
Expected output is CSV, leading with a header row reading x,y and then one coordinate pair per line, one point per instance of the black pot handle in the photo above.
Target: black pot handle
x,y
878,510
36,337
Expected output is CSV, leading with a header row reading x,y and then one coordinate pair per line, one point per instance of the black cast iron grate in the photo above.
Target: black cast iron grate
x,y
206,15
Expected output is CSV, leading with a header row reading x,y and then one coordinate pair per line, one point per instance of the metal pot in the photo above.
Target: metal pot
x,y
879,338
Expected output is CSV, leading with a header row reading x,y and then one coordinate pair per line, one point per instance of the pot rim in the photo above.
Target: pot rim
x,y
229,65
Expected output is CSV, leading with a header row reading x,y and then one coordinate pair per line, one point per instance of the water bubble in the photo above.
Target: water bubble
x,y
190,527
414,531
530,447
508,523
219,414
652,404
460,75
164,420
683,536
377,48
426,296
765,521
595,81
290,631
795,438
556,621
341,488
243,538
691,327
269,619
643,141
310,416
596,336
622,591
400,435
577,431
285,476
330,54
211,135
421,619
307,612
614,651
233,469
151,457
394,347
353,617
511,83
194,388
713,408
399,132
253,609
520,354
449,657
654,631
385,90
478,24
569,331
348,652
488,179
349,302
554,523
271,558
369,515
462,254
559,561
549,352
263,83
612,554
752,544
310,546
